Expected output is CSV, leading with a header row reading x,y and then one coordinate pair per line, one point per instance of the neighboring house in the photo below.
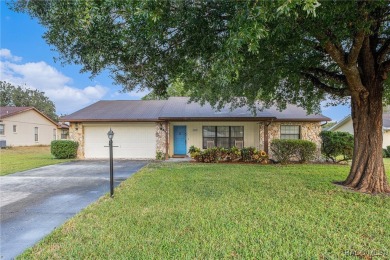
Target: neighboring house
x,y
26,126
346,125
144,127
63,131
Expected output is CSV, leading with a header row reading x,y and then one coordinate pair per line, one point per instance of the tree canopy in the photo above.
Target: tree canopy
x,y
18,96
275,51
279,52
175,89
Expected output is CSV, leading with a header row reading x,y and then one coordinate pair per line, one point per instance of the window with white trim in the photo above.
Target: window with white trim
x,y
1,129
290,132
36,134
64,133
14,128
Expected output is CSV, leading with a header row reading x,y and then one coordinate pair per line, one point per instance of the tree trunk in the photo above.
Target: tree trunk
x,y
367,172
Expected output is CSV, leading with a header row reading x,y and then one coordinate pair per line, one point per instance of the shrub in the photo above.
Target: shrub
x,y
234,154
282,150
386,152
247,153
306,150
210,155
193,149
337,146
160,156
219,154
64,149
285,151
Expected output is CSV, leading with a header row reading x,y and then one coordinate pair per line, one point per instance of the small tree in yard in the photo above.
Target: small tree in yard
x,y
279,52
337,146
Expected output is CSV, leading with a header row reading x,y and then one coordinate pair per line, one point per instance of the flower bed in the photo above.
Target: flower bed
x,y
219,154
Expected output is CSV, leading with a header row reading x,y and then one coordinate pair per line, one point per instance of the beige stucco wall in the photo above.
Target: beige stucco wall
x,y
347,126
194,132
25,123
386,139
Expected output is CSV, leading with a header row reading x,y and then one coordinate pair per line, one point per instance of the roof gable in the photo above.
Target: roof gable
x,y
348,119
12,111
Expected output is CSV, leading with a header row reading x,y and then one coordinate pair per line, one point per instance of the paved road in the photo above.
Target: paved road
x,y
34,202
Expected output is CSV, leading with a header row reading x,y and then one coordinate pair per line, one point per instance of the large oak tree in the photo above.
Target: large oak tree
x,y
297,51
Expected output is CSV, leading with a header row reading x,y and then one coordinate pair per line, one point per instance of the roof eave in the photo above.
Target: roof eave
x,y
109,120
344,120
303,119
217,118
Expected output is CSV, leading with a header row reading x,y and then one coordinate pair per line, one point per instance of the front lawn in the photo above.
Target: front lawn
x,y
209,211
17,159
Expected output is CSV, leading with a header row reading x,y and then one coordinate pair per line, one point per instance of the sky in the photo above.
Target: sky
x,y
27,60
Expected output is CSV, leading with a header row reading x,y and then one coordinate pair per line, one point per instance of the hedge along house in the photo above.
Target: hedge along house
x,y
144,127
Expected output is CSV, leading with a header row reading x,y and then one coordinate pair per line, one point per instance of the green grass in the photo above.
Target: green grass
x,y
17,159
209,211
386,161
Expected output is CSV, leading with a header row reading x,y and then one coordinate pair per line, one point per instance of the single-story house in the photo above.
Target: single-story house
x,y
144,127
346,125
25,126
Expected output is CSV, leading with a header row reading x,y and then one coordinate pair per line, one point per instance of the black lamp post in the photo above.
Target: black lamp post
x,y
110,135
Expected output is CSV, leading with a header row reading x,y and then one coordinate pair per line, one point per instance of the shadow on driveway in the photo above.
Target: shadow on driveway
x,y
34,202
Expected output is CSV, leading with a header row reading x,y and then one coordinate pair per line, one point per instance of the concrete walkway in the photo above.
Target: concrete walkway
x,y
33,203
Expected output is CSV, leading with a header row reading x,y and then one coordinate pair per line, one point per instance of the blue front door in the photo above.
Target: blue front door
x,y
180,139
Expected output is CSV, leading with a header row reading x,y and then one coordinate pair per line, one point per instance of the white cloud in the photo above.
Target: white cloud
x,y
57,86
6,55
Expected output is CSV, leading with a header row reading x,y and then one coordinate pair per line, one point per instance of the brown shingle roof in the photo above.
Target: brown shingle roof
x,y
118,110
10,111
178,108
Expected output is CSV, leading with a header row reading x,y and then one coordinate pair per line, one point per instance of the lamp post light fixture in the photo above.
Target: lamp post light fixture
x,y
110,135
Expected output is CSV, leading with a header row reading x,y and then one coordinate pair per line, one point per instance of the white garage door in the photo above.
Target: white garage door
x,y
134,141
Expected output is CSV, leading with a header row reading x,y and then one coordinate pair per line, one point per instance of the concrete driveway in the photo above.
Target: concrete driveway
x,y
35,202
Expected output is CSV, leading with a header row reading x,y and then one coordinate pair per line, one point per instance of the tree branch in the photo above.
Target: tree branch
x,y
356,47
336,53
329,75
342,92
